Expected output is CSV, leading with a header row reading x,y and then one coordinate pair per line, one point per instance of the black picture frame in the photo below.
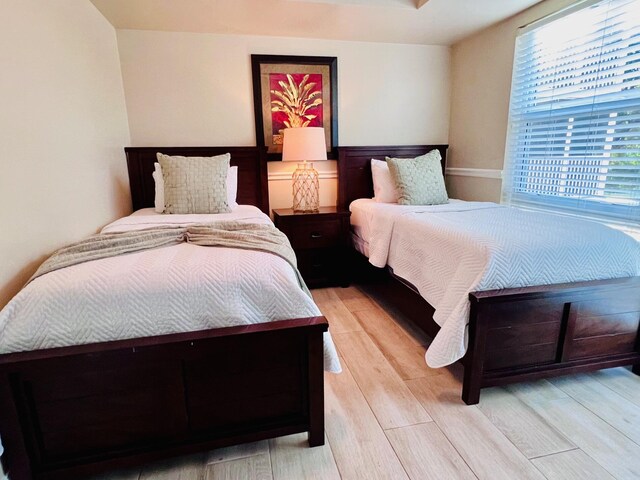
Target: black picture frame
x,y
260,98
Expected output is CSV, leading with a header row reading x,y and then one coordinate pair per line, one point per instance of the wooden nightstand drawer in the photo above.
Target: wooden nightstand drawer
x,y
320,241
316,264
316,234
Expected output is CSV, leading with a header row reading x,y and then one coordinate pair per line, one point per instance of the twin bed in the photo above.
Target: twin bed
x,y
115,362
161,352
514,295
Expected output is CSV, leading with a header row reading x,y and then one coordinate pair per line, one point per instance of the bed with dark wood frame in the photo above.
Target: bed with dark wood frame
x,y
515,334
74,411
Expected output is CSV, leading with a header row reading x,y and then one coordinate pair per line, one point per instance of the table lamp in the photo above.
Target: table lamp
x,y
305,145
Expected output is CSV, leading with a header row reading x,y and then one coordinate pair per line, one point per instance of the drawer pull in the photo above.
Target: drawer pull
x,y
316,265
316,235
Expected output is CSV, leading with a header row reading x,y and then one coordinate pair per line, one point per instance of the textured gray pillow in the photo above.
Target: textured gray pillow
x,y
195,184
419,180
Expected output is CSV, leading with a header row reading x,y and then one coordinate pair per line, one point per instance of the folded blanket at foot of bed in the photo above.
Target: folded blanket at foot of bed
x,y
158,281
231,234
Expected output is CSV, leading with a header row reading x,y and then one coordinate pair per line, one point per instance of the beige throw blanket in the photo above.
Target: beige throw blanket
x,y
231,234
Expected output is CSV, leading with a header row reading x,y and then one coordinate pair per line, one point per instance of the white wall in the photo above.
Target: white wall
x,y
196,89
63,125
481,68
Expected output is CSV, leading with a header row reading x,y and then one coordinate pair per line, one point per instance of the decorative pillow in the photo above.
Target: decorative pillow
x,y
419,180
195,184
384,190
232,187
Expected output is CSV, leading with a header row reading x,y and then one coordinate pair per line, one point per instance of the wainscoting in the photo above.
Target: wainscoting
x,y
465,183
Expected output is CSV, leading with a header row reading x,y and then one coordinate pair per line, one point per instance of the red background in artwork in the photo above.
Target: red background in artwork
x,y
278,118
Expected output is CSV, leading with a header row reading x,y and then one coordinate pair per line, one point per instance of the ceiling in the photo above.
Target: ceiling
x,y
427,22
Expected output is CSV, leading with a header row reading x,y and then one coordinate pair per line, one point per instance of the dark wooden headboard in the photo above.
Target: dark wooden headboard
x,y
251,162
354,167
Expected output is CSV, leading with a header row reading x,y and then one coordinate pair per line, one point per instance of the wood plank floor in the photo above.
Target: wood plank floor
x,y
389,416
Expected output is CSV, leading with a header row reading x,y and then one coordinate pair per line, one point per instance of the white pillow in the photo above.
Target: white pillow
x,y
159,181
384,188
232,187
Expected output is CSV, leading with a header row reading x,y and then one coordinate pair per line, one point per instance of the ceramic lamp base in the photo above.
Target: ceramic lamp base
x,y
306,188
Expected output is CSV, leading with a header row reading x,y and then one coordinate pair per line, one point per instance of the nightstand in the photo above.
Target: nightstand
x,y
320,241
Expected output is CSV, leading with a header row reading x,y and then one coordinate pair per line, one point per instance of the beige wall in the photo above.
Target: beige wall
x,y
63,124
481,82
474,188
196,89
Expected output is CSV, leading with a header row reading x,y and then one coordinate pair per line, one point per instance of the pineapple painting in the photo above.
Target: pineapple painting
x,y
296,101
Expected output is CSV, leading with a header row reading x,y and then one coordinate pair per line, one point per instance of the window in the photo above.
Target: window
x,y
574,120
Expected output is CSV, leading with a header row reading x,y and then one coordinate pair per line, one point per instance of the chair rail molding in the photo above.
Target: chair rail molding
x,y
453,171
274,176
474,172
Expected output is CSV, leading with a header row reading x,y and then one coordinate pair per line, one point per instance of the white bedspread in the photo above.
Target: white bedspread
x,y
447,251
161,291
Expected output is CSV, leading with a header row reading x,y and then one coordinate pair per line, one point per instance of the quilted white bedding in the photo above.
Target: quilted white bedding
x,y
447,251
154,292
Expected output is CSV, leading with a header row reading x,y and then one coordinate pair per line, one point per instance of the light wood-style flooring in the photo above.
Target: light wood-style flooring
x,y
389,416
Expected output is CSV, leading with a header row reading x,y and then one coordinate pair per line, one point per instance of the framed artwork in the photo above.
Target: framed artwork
x,y
294,91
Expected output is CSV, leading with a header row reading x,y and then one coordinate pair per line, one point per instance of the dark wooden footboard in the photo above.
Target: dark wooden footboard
x,y
535,332
74,411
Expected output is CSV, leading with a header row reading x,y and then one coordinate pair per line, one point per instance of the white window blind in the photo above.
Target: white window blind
x,y
574,121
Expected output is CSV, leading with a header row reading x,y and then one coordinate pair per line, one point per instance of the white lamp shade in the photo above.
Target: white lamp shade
x,y
304,144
